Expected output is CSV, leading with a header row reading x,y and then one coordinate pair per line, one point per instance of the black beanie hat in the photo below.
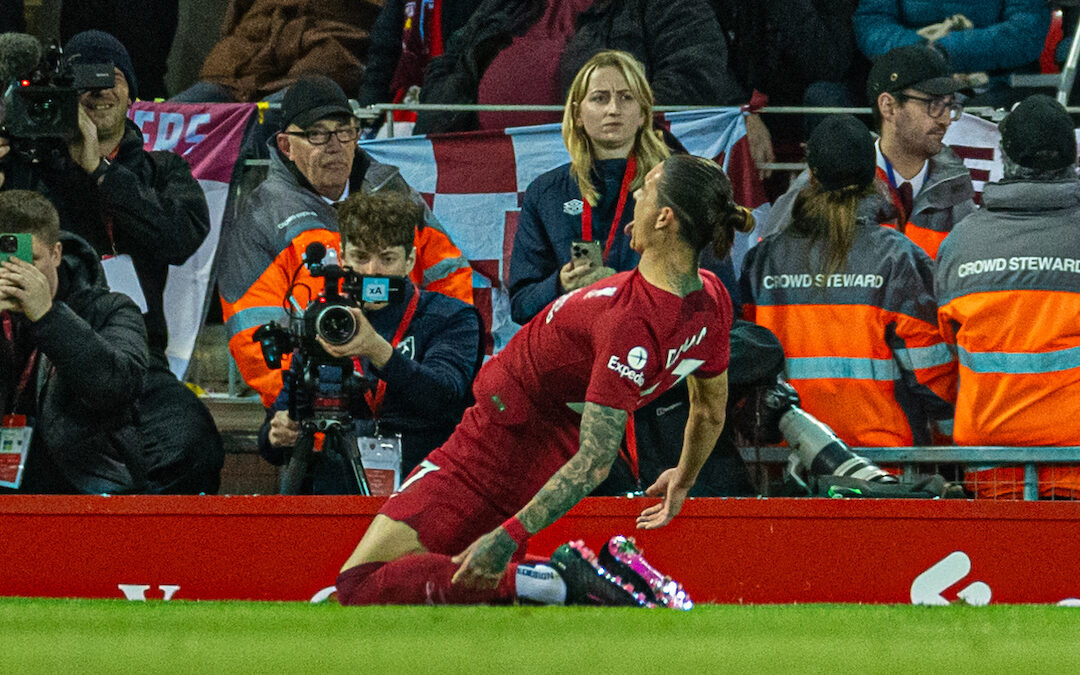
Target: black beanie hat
x,y
1038,134
95,46
841,152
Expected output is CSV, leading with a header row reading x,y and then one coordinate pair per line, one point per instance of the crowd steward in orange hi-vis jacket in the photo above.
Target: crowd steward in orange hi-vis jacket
x,y
1008,279
911,92
314,164
852,302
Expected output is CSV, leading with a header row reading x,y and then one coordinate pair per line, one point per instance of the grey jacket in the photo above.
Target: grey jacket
x,y
945,199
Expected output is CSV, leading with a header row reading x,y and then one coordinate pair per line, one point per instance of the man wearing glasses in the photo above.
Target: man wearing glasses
x,y
911,92
314,165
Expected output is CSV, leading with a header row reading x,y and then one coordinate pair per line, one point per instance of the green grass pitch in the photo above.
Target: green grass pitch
x,y
118,636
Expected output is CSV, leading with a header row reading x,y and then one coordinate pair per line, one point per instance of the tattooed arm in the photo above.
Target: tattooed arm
x,y
708,408
483,563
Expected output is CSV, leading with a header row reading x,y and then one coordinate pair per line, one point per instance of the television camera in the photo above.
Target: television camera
x,y
41,97
322,387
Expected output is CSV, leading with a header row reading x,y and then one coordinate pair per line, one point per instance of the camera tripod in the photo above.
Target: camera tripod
x,y
325,434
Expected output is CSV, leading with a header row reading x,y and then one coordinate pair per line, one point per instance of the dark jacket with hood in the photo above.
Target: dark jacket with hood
x,y
144,204
92,359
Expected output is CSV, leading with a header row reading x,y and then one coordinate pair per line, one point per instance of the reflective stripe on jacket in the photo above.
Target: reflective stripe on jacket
x,y
1008,280
861,345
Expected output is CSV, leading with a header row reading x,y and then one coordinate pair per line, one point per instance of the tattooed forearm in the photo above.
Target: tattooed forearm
x,y
601,430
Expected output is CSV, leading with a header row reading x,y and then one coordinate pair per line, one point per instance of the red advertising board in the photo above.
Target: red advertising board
x,y
723,550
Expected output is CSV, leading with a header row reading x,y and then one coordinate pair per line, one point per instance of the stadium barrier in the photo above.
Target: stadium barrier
x,y
743,551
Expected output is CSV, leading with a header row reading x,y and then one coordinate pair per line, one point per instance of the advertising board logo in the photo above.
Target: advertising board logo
x,y
928,587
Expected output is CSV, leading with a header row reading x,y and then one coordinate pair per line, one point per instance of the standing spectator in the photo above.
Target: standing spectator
x,y
852,302
72,360
146,28
608,133
314,164
1007,280
984,40
911,93
417,357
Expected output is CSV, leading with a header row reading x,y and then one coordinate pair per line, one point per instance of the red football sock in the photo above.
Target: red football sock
x,y
421,579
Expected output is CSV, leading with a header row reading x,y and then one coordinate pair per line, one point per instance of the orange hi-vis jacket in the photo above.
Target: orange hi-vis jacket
x,y
1008,281
861,346
260,265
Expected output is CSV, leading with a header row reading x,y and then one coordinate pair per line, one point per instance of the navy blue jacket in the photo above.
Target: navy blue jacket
x,y
550,221
428,382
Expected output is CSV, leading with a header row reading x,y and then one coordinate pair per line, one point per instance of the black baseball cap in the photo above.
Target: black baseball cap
x,y
312,98
919,67
840,152
1038,134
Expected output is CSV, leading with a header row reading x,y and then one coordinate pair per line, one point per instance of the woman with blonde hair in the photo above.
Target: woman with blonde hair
x,y
607,129
852,302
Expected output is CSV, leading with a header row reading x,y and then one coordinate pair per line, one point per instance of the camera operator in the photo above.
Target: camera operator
x,y
141,212
418,356
72,359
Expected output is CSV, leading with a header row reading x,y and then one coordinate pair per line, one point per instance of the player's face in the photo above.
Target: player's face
x,y
610,114
646,211
107,108
327,165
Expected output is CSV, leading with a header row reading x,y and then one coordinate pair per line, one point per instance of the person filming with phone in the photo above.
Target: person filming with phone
x,y
73,358
417,356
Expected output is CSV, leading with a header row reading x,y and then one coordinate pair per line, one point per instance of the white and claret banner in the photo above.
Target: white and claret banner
x,y
208,136
474,183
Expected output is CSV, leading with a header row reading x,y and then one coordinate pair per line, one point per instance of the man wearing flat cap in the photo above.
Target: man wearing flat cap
x,y
315,164
1008,285
911,92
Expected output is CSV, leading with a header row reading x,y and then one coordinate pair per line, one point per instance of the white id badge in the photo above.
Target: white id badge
x,y
120,273
14,444
381,456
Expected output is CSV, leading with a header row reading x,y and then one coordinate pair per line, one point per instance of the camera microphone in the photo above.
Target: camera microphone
x,y
314,253
19,56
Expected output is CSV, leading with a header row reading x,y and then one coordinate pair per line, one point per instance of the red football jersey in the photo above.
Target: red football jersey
x,y
620,343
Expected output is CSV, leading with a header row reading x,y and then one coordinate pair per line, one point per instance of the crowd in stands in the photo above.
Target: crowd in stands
x,y
875,268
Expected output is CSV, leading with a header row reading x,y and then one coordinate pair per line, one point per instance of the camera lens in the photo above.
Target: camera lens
x,y
335,324
9,243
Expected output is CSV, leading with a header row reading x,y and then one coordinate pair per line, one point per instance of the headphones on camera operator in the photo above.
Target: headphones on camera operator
x,y
322,387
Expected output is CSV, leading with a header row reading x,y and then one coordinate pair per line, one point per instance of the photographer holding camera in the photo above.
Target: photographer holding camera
x,y
72,360
417,357
141,212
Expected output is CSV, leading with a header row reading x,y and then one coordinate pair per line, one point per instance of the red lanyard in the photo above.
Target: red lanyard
x,y
586,212
9,333
375,400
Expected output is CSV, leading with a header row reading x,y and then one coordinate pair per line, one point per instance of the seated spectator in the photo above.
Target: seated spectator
x,y
984,40
315,163
1010,303
608,133
72,360
680,43
911,93
852,302
406,36
267,45
417,357
141,212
